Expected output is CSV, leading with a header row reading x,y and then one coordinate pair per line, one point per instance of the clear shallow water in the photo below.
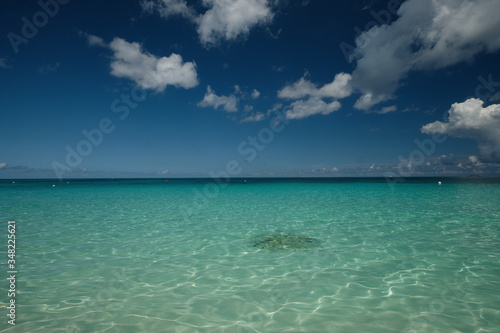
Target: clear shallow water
x,y
179,256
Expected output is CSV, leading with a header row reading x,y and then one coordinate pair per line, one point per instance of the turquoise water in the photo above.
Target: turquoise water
x,y
179,256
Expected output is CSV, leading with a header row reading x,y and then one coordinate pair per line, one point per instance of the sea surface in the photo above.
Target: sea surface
x,y
180,255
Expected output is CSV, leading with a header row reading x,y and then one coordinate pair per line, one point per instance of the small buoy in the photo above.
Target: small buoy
x,y
13,182
439,183
53,186
245,181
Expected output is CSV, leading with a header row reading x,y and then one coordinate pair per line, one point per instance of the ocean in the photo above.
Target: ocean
x,y
251,255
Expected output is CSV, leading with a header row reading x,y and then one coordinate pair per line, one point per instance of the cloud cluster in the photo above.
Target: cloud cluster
x,y
223,19
149,71
230,103
168,8
314,105
340,87
470,120
130,61
255,117
428,35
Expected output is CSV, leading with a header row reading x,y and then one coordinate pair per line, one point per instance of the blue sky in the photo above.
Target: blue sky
x,y
177,88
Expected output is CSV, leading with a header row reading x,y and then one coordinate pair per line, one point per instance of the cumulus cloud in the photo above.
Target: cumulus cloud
x,y
222,20
230,19
228,103
95,40
148,71
428,35
258,116
470,120
255,94
299,89
339,88
385,109
168,8
474,160
303,88
368,100
314,105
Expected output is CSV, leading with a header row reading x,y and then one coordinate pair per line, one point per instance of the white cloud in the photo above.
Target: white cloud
x,y
314,105
474,160
470,120
428,35
339,88
168,8
367,100
255,94
228,103
230,19
299,89
148,71
385,109
2,165
95,40
253,118
223,19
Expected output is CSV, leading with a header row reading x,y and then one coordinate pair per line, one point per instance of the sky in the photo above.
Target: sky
x,y
249,88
